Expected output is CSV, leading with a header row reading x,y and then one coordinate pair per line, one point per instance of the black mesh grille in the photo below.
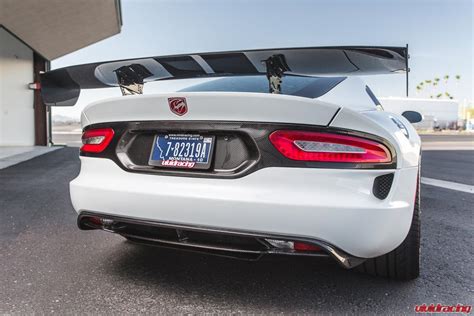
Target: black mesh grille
x,y
382,186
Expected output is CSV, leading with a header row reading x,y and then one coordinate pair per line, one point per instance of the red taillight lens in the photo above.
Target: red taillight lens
x,y
326,147
301,246
96,140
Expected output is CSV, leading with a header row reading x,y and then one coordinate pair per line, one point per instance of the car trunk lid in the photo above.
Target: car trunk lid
x,y
212,106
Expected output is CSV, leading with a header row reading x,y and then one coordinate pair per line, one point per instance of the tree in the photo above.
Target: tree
x,y
432,87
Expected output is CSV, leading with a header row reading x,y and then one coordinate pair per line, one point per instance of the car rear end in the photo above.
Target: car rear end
x,y
281,175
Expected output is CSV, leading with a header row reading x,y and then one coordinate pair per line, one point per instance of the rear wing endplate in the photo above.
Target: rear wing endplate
x,y
61,87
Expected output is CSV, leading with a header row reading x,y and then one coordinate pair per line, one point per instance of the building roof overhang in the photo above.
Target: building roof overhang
x,y
54,28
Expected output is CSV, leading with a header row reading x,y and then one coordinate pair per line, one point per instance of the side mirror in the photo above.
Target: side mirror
x,y
412,116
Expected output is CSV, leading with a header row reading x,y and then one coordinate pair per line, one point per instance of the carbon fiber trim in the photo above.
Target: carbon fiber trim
x,y
210,240
61,87
246,142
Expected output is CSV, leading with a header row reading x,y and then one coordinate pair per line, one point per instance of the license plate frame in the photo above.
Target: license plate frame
x,y
184,141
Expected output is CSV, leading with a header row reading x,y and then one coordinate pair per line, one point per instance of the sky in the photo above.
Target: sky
x,y
439,34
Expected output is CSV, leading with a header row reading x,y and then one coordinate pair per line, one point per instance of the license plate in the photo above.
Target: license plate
x,y
182,151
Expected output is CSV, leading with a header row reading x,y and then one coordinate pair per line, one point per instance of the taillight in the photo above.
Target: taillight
x,y
96,140
327,147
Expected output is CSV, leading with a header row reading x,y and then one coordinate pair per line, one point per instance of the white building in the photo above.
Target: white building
x,y
32,33
444,113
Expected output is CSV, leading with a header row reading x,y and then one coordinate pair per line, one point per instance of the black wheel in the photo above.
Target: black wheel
x,y
403,263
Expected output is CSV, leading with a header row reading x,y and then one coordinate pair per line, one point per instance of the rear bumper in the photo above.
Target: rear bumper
x,y
221,242
332,206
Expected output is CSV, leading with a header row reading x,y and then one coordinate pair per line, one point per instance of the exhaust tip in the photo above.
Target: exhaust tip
x,y
95,222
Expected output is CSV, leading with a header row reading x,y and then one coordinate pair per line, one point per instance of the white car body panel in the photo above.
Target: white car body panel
x,y
326,204
350,93
213,106
257,107
380,123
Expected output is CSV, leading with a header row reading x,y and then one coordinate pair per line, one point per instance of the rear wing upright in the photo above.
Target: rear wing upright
x,y
61,87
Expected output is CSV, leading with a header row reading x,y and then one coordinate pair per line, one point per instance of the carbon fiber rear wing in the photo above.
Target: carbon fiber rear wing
x,y
61,87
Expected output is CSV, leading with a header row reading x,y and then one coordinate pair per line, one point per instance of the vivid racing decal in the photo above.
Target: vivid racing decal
x,y
177,163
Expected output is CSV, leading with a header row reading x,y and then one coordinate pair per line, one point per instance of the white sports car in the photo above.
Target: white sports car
x,y
273,151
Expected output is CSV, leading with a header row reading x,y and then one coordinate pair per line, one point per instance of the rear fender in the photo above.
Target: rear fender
x,y
381,123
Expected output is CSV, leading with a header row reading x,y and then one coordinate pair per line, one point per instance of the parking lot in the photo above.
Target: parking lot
x,y
48,265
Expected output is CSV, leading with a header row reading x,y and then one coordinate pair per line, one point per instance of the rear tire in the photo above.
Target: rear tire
x,y
403,263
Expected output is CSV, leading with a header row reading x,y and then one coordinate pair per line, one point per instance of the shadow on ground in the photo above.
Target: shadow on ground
x,y
271,284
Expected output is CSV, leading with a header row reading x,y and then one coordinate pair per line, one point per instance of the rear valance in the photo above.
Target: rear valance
x,y
61,87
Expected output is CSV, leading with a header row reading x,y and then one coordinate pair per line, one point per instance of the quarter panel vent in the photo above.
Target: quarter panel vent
x,y
382,186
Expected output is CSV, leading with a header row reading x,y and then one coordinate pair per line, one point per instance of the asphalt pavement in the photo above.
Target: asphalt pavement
x,y
47,265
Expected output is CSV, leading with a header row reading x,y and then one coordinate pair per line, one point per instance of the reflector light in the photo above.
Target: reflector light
x,y
292,245
301,246
96,140
327,147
